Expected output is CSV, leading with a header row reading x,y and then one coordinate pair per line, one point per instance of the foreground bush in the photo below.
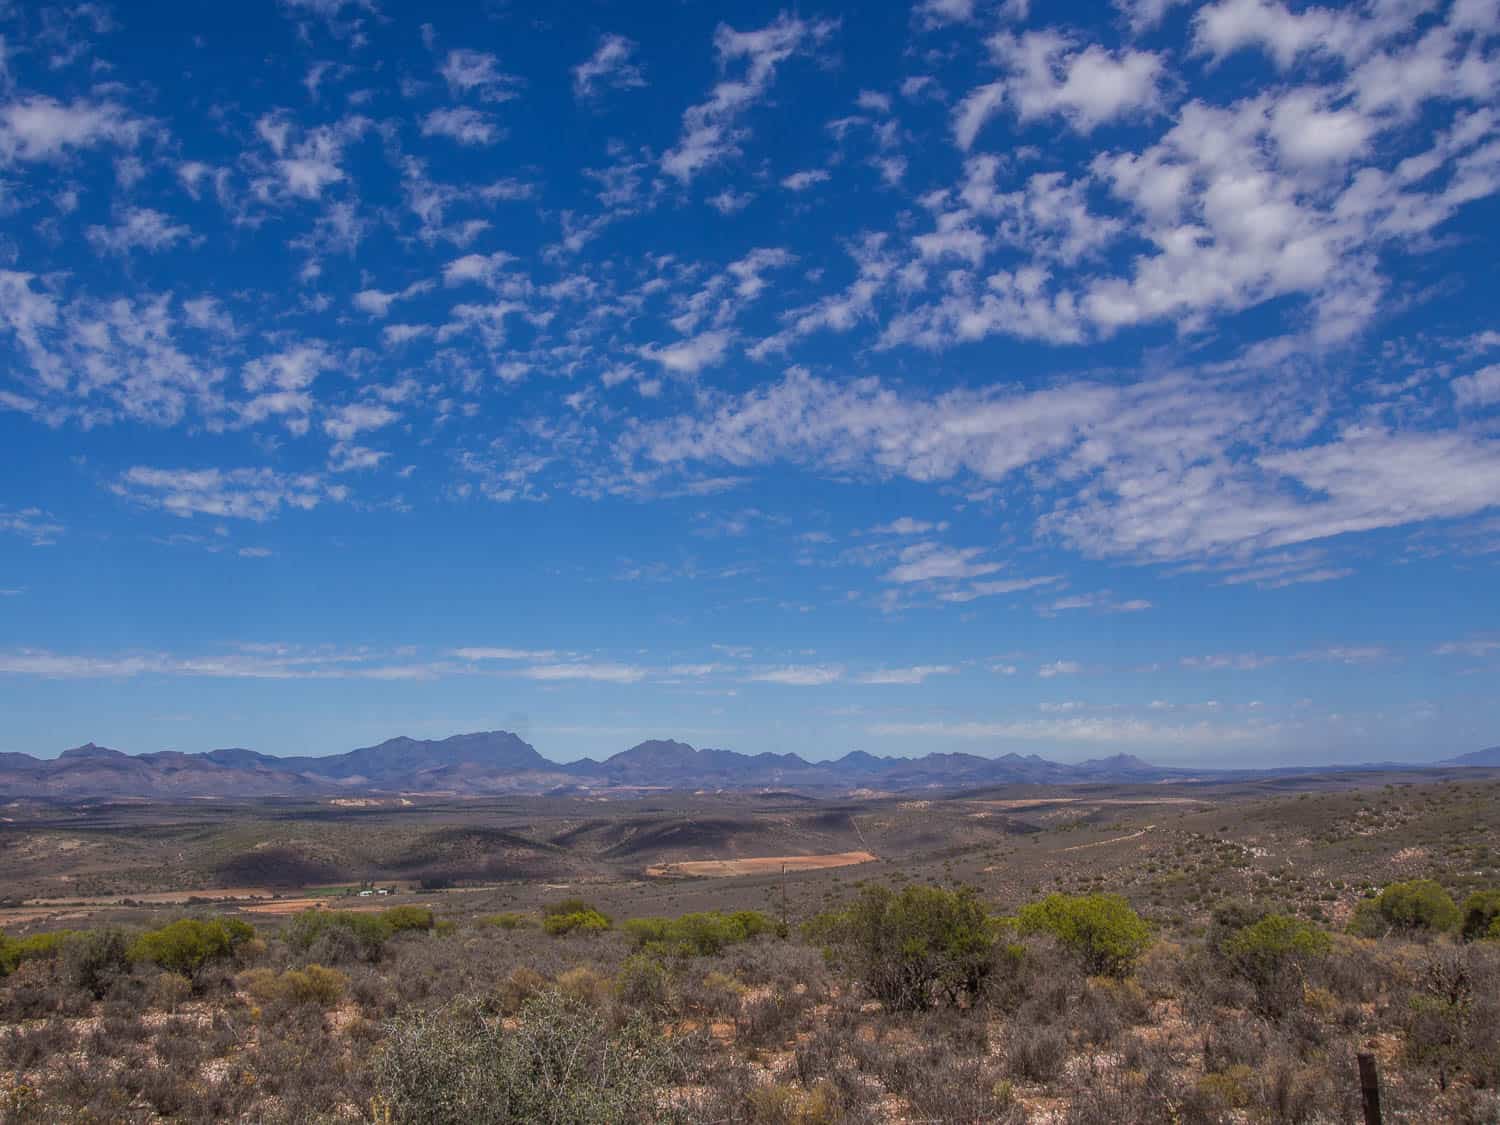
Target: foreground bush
x,y
188,944
313,985
37,947
1420,906
1273,955
1481,916
1102,929
94,959
911,947
560,1064
704,934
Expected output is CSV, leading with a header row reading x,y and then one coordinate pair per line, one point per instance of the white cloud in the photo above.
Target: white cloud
x,y
710,130
596,673
463,124
937,13
1059,668
1142,15
486,269
997,587
255,662
347,457
1229,661
354,418
978,106
799,675
906,525
1309,133
254,494
1475,647
690,356
611,65
917,674
801,181
469,71
1482,388
927,562
43,128
730,202
378,302
30,523
490,653
1230,25
211,316
138,228
1347,654
1088,87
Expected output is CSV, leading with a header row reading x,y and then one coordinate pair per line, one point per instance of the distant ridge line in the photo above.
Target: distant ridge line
x,y
494,762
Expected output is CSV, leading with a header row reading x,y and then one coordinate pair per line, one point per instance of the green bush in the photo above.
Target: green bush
x,y
36,947
1481,916
585,921
188,944
704,934
338,935
561,1063
1420,906
400,918
1273,956
912,946
1100,928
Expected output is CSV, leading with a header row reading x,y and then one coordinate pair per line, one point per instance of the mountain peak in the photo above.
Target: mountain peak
x,y
91,750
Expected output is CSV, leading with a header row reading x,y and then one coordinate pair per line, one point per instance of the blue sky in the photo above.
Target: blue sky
x,y
958,376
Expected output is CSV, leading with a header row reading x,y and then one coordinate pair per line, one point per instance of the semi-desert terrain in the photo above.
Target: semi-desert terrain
x,y
374,929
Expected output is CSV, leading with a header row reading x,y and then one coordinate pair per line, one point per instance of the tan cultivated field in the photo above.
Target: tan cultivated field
x,y
760,865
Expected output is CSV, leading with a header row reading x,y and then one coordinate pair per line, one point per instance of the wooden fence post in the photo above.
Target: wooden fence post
x,y
1369,1087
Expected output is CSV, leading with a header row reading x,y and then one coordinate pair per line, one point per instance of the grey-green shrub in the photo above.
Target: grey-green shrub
x,y
911,947
561,1064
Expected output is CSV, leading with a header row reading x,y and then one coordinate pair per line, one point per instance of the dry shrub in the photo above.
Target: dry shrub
x,y
313,985
168,990
771,1018
517,988
585,986
1036,1054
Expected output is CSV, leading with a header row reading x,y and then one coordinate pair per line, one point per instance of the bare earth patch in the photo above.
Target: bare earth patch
x,y
760,865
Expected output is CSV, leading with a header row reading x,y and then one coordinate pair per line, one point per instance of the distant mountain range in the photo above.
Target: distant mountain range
x,y
493,762
1490,757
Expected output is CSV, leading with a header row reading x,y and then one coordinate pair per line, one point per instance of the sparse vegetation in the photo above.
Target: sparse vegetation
x,y
1210,976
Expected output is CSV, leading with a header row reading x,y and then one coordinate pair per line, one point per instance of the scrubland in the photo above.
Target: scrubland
x,y
1121,968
